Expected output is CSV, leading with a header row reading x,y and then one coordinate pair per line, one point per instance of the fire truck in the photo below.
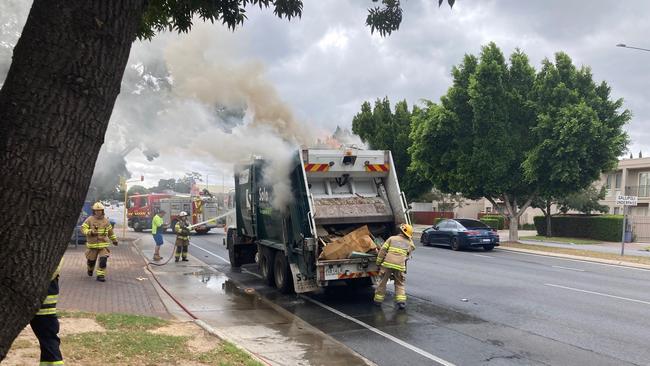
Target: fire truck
x,y
142,208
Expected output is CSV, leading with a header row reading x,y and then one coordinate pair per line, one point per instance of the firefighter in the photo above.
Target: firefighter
x,y
98,231
156,230
45,324
182,237
392,261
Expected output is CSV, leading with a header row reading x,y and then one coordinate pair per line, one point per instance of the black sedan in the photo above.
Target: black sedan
x,y
461,233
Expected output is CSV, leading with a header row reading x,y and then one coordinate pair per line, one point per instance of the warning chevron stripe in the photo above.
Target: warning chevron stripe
x,y
317,167
377,167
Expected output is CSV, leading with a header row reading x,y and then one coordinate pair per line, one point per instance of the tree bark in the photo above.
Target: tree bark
x,y
514,213
55,106
549,231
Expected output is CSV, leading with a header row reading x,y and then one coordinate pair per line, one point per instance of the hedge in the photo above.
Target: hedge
x,y
501,221
493,223
601,227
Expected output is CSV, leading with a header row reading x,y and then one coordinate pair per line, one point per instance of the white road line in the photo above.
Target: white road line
x,y
575,260
599,293
209,252
484,256
569,268
381,333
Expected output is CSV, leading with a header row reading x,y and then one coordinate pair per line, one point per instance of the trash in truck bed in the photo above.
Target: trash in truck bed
x,y
359,240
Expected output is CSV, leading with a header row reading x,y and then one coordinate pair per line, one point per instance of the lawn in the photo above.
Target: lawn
x,y
559,239
124,339
578,252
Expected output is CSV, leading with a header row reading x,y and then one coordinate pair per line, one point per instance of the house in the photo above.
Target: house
x,y
631,178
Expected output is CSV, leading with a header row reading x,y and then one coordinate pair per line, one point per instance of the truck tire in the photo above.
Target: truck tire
x,y
235,260
137,226
282,273
266,265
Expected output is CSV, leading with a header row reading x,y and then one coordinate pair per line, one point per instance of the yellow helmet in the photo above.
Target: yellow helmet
x,y
98,206
406,230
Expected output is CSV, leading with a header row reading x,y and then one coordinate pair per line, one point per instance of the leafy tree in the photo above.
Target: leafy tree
x,y
445,201
57,97
585,201
511,135
137,189
383,129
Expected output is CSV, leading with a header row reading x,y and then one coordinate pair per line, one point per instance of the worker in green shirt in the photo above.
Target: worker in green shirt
x,y
157,231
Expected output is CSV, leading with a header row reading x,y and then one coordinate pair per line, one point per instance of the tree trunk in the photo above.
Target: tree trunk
x,y
55,106
513,228
549,232
514,212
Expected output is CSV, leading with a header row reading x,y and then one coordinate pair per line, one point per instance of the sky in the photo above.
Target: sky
x,y
325,64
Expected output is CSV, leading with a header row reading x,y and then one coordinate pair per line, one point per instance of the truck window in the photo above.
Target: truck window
x,y
144,201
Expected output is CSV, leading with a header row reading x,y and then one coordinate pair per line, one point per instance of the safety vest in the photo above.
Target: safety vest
x,y
105,234
394,253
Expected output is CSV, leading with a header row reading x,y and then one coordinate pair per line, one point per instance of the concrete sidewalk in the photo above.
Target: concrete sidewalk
x,y
242,316
128,288
606,247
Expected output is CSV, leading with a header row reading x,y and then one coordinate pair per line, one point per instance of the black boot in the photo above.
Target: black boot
x,y
401,305
176,260
101,279
185,259
90,273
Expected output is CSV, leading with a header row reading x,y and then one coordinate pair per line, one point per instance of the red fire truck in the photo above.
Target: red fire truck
x,y
142,207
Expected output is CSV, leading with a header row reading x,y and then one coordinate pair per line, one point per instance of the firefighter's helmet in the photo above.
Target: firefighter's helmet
x,y
183,214
98,206
407,230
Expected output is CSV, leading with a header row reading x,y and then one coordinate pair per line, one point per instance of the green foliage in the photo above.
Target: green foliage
x,y
383,129
585,201
387,19
493,223
602,227
505,132
137,190
528,227
501,221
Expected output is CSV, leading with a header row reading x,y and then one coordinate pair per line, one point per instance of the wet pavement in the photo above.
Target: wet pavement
x,y
241,315
478,308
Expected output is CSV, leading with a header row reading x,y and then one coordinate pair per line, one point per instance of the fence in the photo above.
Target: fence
x,y
429,217
640,228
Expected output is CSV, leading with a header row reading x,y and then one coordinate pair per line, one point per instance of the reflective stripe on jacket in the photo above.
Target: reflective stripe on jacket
x,y
105,234
48,307
180,226
394,253
156,223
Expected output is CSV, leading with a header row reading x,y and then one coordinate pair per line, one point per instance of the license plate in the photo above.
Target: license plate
x,y
486,240
333,271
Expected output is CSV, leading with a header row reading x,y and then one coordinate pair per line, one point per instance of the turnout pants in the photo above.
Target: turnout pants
x,y
95,255
45,325
181,248
400,285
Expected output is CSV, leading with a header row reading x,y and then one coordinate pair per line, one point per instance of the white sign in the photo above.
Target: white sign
x,y
626,200
302,283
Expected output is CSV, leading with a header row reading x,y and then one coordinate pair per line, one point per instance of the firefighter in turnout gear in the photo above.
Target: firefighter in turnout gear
x,y
392,260
182,237
45,324
99,234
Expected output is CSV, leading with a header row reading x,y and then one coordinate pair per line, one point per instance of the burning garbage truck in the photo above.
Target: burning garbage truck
x,y
342,205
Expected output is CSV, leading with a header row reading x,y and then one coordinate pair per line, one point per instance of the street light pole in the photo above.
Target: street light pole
x,y
623,45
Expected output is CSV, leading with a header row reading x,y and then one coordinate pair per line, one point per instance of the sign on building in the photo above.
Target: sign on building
x,y
626,200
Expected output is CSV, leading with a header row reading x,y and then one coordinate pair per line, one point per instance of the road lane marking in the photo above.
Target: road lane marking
x,y
482,255
411,347
569,268
599,293
369,327
209,252
575,260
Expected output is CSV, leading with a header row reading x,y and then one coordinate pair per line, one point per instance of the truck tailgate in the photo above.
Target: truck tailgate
x,y
342,269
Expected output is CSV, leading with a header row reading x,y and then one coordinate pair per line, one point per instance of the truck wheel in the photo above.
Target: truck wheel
x,y
235,260
137,226
266,265
282,273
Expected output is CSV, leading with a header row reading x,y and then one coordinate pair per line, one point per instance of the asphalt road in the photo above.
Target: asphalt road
x,y
480,308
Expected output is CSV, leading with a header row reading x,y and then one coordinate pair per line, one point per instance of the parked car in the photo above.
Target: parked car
x,y
461,233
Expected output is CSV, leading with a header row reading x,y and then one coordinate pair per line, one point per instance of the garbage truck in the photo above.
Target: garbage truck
x,y
342,205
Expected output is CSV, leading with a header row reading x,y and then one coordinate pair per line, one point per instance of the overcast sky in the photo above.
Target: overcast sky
x,y
327,63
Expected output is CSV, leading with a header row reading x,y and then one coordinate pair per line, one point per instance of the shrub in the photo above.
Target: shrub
x,y
500,219
528,227
601,227
493,223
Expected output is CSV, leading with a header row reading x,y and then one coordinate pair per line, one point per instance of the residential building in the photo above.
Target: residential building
x,y
631,178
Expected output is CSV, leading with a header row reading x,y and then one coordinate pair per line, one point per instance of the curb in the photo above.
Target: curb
x,y
578,257
208,328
